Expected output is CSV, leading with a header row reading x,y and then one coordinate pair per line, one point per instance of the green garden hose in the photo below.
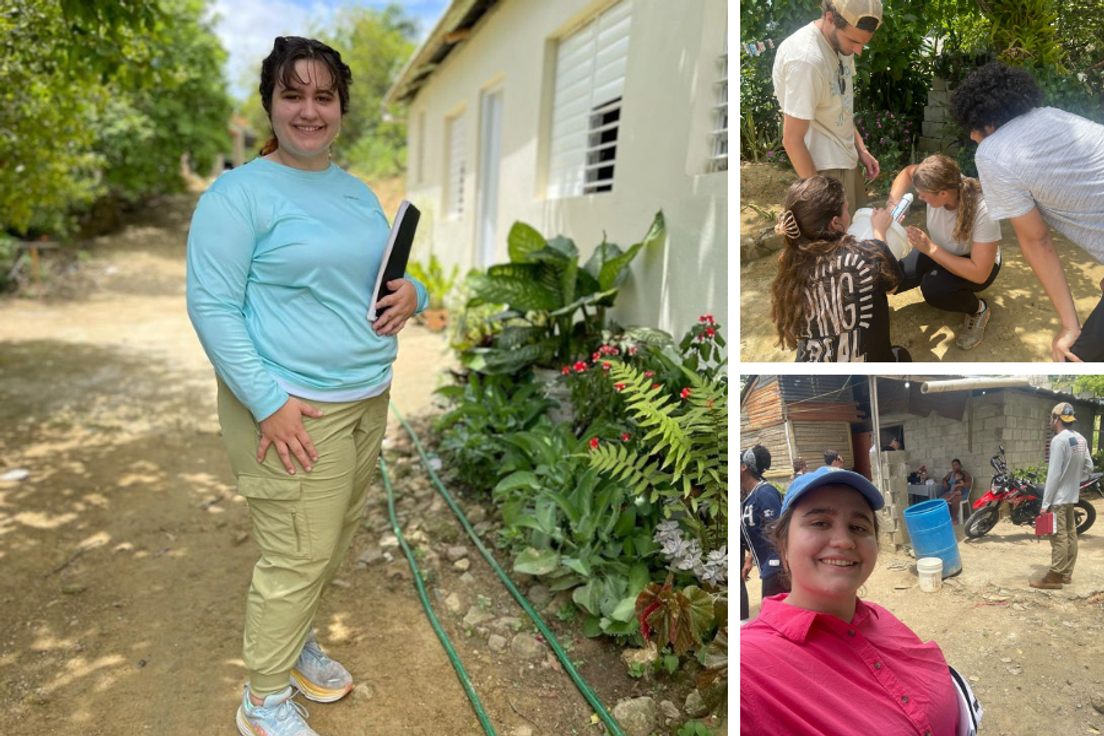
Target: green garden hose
x,y
584,689
477,705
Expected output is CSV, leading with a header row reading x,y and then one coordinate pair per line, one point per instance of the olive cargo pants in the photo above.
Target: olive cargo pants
x,y
1063,543
303,523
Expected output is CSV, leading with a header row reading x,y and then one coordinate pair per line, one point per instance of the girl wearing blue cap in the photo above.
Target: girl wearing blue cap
x,y
821,661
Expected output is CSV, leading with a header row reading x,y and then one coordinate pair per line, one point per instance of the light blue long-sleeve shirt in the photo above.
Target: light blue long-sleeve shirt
x,y
281,267
1070,461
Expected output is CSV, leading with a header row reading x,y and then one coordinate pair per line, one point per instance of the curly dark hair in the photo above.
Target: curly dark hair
x,y
994,94
280,66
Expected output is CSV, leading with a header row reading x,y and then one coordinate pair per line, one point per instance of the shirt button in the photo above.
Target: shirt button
x,y
851,632
904,698
877,665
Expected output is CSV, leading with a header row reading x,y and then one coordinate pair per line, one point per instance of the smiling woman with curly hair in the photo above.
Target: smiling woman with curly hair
x,y
829,297
1040,167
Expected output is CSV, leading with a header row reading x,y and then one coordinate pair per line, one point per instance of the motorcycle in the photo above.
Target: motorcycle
x,y
1025,501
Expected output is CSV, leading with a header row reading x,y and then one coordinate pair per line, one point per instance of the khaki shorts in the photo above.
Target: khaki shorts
x,y
854,184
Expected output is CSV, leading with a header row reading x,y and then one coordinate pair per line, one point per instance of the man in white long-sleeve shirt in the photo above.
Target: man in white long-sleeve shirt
x,y
1070,461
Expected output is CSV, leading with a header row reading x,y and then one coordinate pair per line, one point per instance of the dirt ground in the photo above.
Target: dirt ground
x,y
1035,659
1022,325
126,555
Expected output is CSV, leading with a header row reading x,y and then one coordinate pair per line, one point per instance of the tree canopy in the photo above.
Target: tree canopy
x,y
99,103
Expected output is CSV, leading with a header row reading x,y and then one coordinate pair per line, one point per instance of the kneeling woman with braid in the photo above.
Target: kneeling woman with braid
x,y
829,297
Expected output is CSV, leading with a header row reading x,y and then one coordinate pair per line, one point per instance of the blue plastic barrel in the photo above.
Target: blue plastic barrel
x,y
929,526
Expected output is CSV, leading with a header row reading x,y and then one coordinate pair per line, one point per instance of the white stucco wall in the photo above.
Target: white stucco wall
x,y
662,150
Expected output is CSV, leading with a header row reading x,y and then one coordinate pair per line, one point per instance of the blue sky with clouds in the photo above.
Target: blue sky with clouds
x,y
247,27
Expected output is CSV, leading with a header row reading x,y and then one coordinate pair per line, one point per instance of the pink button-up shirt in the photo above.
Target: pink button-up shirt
x,y
807,674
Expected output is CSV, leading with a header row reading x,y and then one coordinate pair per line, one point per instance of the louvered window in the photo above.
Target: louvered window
x,y
586,110
719,160
456,162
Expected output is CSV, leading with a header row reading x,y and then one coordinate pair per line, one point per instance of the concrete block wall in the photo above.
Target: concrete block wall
x,y
1026,435
936,116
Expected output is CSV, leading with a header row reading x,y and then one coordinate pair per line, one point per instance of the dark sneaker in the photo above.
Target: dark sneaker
x,y
318,677
974,329
278,716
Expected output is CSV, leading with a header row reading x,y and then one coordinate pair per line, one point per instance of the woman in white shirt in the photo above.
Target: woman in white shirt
x,y
959,255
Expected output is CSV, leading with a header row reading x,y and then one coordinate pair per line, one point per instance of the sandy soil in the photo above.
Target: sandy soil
x,y
126,554
1035,658
1022,325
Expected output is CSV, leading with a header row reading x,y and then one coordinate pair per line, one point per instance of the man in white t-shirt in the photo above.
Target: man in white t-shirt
x,y
1040,167
814,72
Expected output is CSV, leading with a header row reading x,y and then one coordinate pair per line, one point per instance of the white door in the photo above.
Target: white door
x,y
490,148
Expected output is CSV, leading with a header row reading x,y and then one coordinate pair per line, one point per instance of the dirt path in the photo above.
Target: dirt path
x,y
1035,658
1022,325
126,555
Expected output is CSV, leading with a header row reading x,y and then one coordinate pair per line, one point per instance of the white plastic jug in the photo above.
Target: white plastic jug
x,y
896,236
931,574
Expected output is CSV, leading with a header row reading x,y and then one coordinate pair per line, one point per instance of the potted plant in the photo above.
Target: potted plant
x,y
438,284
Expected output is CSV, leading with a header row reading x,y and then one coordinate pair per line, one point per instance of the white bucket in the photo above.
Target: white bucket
x,y
896,236
931,574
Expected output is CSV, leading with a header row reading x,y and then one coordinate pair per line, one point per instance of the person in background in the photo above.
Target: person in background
x,y
814,81
822,662
759,506
799,467
833,459
282,258
1040,167
1070,461
893,446
956,465
958,492
959,255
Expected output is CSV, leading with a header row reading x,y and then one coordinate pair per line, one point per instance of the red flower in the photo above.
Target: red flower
x,y
655,385
594,443
632,350
625,437
706,318
596,357
565,370
649,374
605,366
710,331
580,367
619,386
685,393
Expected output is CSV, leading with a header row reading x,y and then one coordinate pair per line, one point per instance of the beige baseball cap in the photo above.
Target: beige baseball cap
x,y
860,13
1064,411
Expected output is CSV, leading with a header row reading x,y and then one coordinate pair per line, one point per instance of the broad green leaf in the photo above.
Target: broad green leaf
x,y
520,479
588,597
523,241
592,626
625,609
536,561
615,270
580,566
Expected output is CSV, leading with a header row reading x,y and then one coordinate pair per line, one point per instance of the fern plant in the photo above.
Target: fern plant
x,y
683,452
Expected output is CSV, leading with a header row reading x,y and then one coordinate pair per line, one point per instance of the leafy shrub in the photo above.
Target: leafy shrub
x,y
575,528
485,410
889,137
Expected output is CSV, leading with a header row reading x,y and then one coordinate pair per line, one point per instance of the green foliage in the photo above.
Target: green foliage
x,y
484,411
889,137
544,287
575,528
437,282
100,100
682,454
375,44
694,728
